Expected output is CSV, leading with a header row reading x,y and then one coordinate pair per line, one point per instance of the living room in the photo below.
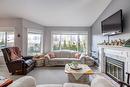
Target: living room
x,y
44,30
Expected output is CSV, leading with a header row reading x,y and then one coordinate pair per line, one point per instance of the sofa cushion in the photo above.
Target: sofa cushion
x,y
63,59
77,55
73,54
51,54
65,54
50,85
57,54
75,85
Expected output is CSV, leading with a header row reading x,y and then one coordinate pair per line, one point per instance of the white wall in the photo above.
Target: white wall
x,y
113,7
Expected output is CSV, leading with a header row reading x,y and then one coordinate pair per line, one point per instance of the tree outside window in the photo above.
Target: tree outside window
x,y
76,42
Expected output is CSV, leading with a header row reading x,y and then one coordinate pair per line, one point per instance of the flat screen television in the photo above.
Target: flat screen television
x,y
113,24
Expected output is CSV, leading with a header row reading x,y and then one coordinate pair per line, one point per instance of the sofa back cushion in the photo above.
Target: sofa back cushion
x,y
62,54
65,54
51,54
77,55
57,54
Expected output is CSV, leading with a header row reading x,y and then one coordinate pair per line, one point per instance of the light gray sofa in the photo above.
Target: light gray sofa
x,y
64,57
28,81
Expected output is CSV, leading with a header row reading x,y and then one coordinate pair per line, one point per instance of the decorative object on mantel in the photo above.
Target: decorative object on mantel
x,y
112,42
120,42
127,43
104,43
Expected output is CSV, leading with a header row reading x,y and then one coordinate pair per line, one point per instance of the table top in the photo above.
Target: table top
x,y
85,69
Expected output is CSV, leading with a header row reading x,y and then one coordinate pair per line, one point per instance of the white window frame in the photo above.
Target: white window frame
x,y
7,29
70,32
31,30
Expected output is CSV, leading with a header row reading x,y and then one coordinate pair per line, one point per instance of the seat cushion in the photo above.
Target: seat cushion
x,y
75,85
50,85
65,54
29,62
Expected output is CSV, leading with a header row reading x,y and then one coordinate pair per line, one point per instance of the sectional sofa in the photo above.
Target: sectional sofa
x,y
63,57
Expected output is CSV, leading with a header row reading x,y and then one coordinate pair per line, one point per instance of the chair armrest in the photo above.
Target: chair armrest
x,y
86,59
27,57
82,56
47,56
18,61
18,64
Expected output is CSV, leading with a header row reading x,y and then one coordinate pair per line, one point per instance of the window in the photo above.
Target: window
x,y
6,39
75,42
34,43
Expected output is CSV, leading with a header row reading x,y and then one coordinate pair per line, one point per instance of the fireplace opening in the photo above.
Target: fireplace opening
x,y
115,69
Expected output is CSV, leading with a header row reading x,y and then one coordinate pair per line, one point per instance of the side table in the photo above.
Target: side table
x,y
4,82
39,61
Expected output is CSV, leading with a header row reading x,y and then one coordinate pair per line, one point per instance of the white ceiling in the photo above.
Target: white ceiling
x,y
55,12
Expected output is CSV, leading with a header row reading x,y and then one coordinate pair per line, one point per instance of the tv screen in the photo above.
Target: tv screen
x,y
113,24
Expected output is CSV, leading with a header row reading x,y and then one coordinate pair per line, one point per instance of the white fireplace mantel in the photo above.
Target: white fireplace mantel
x,y
121,53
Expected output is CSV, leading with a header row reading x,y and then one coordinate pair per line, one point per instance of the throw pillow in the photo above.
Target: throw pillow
x,y
77,55
51,54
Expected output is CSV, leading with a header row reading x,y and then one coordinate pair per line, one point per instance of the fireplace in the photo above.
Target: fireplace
x,y
114,62
115,69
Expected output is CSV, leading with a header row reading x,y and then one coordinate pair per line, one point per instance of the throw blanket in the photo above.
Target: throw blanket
x,y
78,73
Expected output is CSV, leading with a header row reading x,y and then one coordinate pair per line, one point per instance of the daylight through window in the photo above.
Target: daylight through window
x,y
75,42
34,43
6,39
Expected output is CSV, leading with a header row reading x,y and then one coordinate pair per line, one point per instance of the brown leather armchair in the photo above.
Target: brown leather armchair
x,y
16,63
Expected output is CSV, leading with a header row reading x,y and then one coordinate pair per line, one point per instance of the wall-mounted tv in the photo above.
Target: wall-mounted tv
x,y
113,24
